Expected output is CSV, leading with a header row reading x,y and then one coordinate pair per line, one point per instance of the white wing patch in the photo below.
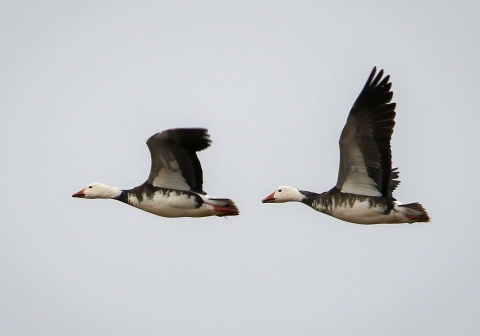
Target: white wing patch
x,y
356,179
360,184
170,176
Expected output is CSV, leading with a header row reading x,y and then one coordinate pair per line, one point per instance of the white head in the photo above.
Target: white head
x,y
98,190
284,194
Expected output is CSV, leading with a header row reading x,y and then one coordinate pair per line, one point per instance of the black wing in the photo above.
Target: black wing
x,y
174,159
365,154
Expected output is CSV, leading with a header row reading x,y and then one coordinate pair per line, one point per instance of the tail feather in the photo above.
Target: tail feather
x,y
416,212
225,206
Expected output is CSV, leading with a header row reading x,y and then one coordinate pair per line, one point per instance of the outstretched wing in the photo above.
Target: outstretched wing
x,y
174,159
365,154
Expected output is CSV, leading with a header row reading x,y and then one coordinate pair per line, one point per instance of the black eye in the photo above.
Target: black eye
x,y
280,190
90,187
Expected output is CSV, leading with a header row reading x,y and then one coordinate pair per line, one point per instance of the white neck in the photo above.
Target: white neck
x,y
112,192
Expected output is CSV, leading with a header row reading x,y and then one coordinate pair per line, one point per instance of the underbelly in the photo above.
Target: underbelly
x,y
170,207
363,213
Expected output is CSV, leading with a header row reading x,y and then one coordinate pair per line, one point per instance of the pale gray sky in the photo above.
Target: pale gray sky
x,y
84,84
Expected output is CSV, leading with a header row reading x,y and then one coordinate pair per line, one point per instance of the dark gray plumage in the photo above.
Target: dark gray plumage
x,y
365,154
174,159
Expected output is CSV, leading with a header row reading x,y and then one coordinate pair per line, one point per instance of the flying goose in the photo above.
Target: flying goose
x,y
366,180
174,187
